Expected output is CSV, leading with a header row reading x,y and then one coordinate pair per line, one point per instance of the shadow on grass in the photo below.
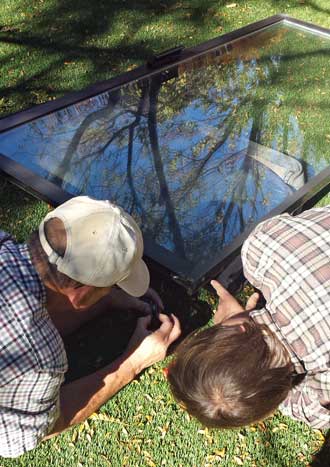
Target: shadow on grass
x,y
322,458
101,341
103,36
20,213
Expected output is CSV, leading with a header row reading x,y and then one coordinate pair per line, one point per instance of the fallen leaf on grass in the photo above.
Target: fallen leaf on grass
x,y
131,67
220,452
238,460
231,5
163,430
320,435
106,460
81,427
104,418
282,426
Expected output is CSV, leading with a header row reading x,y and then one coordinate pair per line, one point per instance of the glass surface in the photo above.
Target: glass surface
x,y
201,151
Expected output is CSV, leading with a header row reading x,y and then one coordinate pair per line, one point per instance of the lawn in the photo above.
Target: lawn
x,y
49,48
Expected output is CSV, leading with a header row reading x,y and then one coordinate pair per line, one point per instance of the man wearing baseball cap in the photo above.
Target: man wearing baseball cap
x,y
85,259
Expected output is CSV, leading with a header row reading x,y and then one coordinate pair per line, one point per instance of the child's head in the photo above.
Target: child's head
x,y
231,376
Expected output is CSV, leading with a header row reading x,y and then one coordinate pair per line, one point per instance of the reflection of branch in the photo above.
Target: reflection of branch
x,y
130,153
99,151
62,168
110,127
164,191
191,182
237,200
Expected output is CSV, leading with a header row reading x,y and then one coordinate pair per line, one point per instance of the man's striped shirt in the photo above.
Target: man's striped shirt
x,y
288,259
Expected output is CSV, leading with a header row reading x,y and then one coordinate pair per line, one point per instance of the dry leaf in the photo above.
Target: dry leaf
x,y
220,452
106,460
238,460
81,427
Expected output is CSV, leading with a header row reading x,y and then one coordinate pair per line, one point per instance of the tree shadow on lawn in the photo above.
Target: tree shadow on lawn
x,y
103,36
102,340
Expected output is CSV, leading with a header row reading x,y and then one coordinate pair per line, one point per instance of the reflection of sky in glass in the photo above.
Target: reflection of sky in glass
x,y
176,153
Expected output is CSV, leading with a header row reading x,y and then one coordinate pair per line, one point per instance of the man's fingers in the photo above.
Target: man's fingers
x,y
168,325
220,290
176,330
252,302
166,322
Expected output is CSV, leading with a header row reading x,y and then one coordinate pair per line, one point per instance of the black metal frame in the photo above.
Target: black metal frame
x,y
158,256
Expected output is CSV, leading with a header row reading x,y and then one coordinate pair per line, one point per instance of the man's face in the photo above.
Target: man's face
x,y
85,296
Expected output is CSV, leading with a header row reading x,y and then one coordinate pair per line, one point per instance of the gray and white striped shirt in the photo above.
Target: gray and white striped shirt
x,y
288,259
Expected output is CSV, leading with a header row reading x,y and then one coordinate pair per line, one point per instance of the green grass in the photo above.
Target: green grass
x,y
143,427
49,48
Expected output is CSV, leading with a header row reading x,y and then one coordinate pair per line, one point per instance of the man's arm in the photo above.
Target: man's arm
x,y
79,399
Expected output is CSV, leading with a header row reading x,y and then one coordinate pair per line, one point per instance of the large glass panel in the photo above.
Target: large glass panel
x,y
201,151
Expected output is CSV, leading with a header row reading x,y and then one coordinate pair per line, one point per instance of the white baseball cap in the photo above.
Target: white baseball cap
x,y
104,245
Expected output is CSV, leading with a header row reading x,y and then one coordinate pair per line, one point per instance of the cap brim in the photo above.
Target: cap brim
x,y
137,283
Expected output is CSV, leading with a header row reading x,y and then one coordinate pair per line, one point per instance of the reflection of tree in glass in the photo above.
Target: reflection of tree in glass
x,y
172,149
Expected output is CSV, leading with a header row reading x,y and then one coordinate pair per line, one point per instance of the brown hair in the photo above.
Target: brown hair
x,y
227,377
56,237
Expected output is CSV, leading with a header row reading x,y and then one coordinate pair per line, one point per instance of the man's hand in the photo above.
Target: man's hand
x,y
228,305
146,347
82,397
153,296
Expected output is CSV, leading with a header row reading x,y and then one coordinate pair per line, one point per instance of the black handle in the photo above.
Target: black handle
x,y
166,57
